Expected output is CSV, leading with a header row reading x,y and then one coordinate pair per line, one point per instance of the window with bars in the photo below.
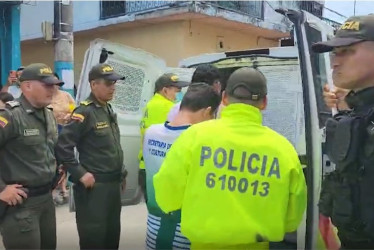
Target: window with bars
x,y
312,7
110,9
252,8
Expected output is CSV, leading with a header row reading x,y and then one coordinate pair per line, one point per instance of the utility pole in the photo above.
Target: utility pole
x,y
64,43
354,7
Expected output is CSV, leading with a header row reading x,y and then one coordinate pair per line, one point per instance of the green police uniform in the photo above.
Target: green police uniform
x,y
95,133
27,140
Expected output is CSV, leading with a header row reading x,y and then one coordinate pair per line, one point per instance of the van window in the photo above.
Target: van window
x,y
319,74
284,113
127,98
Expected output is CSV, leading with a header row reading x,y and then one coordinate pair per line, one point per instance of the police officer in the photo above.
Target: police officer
x,y
28,133
156,111
239,184
348,193
97,176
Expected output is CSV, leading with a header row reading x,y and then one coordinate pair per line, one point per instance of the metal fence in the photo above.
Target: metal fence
x,y
111,9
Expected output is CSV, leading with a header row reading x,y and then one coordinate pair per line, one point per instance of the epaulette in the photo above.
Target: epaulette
x,y
12,104
86,102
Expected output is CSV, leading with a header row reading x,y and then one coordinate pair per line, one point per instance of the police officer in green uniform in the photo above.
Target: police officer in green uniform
x,y
348,192
95,133
28,134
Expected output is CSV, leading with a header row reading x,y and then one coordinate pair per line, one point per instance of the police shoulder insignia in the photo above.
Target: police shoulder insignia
x,y
85,103
3,121
77,117
12,104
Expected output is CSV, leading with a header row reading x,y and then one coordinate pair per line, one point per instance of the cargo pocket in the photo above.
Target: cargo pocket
x,y
342,213
24,221
104,137
31,145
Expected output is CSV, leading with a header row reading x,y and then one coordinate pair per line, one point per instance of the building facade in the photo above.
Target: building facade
x,y
172,30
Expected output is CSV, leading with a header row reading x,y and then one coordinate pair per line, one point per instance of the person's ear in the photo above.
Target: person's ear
x,y
225,99
164,91
93,83
264,103
26,86
208,112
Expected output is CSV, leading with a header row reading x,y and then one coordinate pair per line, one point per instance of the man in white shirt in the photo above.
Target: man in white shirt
x,y
206,73
12,86
199,104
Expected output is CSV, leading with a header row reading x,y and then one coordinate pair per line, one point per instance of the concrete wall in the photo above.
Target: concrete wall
x,y
87,15
33,13
201,37
171,41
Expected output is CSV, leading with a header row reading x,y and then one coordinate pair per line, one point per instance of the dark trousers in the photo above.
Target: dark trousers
x,y
349,242
31,225
142,180
98,212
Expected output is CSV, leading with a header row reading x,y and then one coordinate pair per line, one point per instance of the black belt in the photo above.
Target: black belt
x,y
103,178
37,191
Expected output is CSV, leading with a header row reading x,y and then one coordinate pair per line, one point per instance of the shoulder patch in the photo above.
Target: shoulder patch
x,y
86,103
3,121
77,117
13,104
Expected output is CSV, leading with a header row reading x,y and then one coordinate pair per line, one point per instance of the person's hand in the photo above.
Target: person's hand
x,y
67,118
13,194
123,185
335,98
63,177
88,180
12,78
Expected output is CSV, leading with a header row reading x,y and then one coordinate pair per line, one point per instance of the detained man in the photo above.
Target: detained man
x,y
199,104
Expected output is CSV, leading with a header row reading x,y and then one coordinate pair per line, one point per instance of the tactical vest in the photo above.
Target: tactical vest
x,y
350,188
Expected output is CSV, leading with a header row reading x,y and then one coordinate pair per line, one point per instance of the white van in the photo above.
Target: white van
x,y
296,109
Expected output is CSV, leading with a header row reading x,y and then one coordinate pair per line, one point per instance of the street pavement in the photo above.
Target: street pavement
x,y
133,221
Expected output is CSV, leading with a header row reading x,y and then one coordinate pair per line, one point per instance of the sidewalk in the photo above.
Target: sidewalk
x,y
133,221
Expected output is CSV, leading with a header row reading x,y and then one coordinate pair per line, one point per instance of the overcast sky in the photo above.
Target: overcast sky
x,y
346,8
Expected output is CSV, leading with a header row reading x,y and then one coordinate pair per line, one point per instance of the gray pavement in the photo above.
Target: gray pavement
x,y
133,221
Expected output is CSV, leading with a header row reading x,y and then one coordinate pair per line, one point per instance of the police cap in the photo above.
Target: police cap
x,y
104,71
39,72
355,29
168,80
247,84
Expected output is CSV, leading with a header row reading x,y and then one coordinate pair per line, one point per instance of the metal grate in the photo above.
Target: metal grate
x,y
252,8
136,6
128,93
110,9
312,7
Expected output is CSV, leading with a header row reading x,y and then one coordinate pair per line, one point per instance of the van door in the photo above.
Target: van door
x,y
141,70
315,72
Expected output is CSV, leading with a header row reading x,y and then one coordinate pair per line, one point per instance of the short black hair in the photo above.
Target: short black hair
x,y
207,73
199,96
6,97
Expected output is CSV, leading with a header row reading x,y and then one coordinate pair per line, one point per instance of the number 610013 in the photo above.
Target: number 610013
x,y
233,184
